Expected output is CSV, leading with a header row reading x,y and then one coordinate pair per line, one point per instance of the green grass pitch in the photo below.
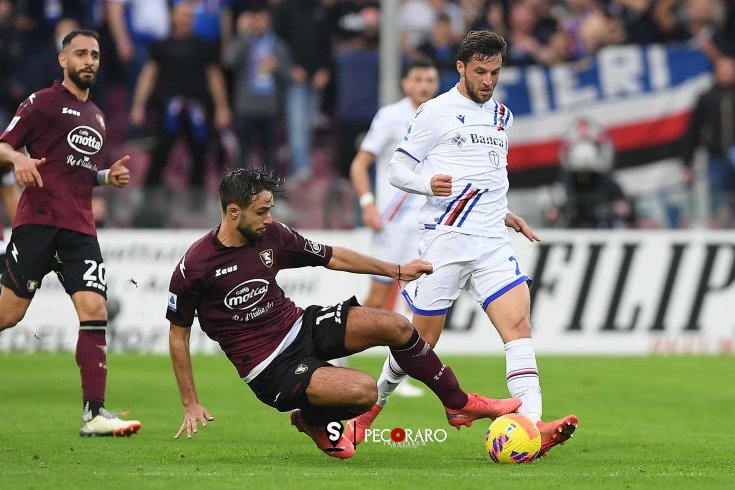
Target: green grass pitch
x,y
651,422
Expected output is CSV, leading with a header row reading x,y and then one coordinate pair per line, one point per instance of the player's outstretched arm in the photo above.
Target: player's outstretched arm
x,y
26,171
344,259
194,412
520,226
119,175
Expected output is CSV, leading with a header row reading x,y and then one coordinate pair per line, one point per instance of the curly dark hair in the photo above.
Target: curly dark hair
x,y
240,185
481,46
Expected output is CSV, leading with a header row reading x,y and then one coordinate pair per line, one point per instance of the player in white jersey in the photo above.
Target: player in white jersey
x,y
390,212
455,153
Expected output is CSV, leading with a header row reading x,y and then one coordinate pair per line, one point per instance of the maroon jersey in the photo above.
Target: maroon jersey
x,y
70,134
234,293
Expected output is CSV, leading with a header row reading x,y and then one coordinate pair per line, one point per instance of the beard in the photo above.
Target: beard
x,y
474,96
83,83
250,235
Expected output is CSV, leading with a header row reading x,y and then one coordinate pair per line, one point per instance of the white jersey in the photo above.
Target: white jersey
x,y
386,131
455,136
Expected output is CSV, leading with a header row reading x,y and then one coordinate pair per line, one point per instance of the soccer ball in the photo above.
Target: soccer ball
x,y
513,438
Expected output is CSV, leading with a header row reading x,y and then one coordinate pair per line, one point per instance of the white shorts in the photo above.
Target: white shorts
x,y
395,243
487,267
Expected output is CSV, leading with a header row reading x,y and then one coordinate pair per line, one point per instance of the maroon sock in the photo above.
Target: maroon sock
x,y
418,360
91,357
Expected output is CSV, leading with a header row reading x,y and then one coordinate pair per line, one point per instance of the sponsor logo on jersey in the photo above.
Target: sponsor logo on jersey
x,y
246,294
71,112
315,248
489,140
85,140
461,118
225,270
459,140
266,256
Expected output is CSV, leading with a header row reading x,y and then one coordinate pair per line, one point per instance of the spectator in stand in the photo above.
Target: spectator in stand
x,y
42,69
9,58
213,20
637,20
192,87
441,48
530,42
261,64
684,20
356,78
713,126
416,20
303,25
135,25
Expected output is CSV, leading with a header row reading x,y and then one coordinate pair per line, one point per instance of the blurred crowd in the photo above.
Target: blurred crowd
x,y
194,86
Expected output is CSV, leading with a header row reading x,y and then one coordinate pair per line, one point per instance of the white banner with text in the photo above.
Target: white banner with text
x,y
593,293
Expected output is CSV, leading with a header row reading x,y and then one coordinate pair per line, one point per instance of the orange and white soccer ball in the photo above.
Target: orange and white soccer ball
x,y
513,438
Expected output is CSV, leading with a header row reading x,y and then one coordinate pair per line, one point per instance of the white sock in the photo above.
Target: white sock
x,y
341,362
390,377
522,376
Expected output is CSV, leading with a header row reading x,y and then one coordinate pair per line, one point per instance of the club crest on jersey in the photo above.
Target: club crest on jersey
x,y
100,120
31,285
266,256
301,369
494,158
315,248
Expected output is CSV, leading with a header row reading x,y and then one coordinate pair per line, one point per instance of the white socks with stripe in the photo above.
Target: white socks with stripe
x,y
390,377
522,376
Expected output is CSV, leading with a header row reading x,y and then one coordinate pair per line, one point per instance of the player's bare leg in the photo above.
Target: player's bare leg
x,y
417,359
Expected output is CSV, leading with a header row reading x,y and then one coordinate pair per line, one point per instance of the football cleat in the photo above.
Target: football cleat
x,y
355,428
107,424
343,449
557,432
479,407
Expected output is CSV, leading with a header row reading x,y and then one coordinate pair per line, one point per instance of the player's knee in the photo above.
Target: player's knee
x,y
518,329
402,329
9,319
364,392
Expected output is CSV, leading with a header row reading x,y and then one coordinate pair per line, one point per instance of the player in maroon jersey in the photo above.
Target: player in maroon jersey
x,y
227,279
63,133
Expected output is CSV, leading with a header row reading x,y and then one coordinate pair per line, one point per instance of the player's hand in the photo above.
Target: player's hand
x,y
119,173
193,415
441,185
520,226
371,217
413,270
26,171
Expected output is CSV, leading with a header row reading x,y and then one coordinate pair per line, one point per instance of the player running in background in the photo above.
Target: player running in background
x,y
227,279
391,213
10,195
63,134
455,153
